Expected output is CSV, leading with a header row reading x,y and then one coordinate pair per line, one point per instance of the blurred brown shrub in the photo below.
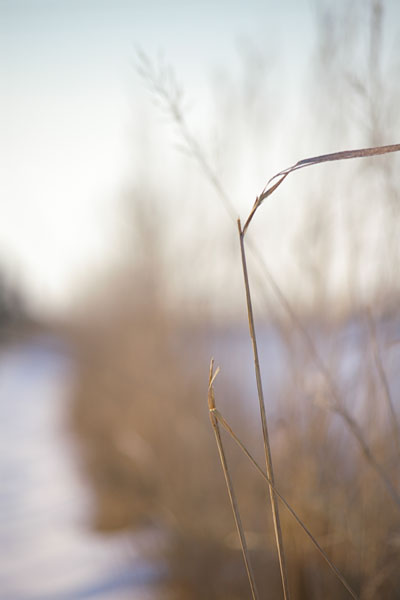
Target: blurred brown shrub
x,y
140,417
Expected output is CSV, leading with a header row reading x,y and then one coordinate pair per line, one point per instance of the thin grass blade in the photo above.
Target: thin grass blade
x,y
337,572
315,160
229,483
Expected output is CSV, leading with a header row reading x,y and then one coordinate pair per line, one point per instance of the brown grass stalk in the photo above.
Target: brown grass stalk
x,y
219,417
315,160
384,381
229,483
337,405
267,449
367,452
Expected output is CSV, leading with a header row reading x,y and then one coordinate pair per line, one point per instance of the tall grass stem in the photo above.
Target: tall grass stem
x,y
267,449
229,483
339,575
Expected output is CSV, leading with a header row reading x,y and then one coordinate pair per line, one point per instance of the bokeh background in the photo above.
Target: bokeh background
x,y
133,136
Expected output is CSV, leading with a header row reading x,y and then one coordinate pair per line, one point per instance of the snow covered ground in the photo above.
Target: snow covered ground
x,y
47,549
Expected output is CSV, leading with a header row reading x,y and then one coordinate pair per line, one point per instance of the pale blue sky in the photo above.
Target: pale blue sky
x,y
69,99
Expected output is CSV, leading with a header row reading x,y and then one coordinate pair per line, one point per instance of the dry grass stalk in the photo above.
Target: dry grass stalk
x,y
229,483
267,449
281,176
384,381
308,162
367,452
161,81
337,405
218,416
